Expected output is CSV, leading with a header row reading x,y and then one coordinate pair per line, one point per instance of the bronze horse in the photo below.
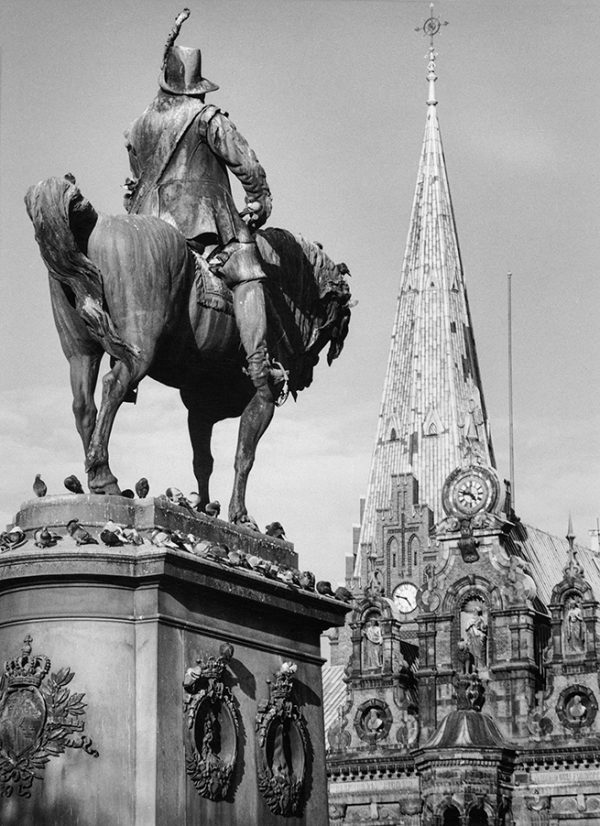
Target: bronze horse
x,y
129,286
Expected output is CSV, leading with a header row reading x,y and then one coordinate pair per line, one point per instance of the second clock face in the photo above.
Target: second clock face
x,y
405,597
470,493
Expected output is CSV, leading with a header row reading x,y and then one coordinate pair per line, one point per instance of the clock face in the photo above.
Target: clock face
x,y
470,494
470,490
405,597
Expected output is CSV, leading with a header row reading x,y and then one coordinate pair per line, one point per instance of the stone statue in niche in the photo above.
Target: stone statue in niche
x,y
372,645
465,657
474,628
574,627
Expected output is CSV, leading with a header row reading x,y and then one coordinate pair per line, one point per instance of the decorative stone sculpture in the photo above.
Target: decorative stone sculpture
x,y
283,746
39,719
574,629
372,645
279,296
213,722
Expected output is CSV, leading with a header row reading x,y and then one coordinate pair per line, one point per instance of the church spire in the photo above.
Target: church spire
x,y
432,416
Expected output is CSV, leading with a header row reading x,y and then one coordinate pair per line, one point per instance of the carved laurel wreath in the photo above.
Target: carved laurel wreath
x,y
38,720
283,746
213,722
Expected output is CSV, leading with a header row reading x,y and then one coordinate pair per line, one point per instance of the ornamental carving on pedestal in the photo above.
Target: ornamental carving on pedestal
x,y
283,746
39,719
213,724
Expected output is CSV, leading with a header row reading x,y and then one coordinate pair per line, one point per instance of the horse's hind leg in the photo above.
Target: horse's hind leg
x,y
84,375
200,426
115,385
254,421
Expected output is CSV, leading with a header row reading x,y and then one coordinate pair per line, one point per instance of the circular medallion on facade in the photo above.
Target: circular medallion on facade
x,y
405,597
577,707
373,720
471,490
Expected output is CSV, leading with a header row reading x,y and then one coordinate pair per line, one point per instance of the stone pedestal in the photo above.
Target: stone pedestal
x,y
123,626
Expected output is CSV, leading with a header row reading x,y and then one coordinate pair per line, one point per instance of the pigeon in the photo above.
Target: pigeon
x,y
286,575
194,499
73,484
142,488
275,529
324,588
15,537
247,521
218,553
79,534
343,594
201,548
175,496
213,509
131,536
39,486
45,538
128,493
111,538
307,580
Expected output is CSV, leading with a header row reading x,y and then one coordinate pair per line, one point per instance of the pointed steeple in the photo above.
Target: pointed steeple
x,y
433,417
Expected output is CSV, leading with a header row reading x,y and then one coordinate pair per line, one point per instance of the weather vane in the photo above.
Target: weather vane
x,y
430,28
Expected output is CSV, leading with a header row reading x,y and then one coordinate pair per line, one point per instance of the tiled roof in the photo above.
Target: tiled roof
x,y
547,556
334,692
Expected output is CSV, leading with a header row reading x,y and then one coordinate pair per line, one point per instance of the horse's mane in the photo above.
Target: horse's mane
x,y
309,302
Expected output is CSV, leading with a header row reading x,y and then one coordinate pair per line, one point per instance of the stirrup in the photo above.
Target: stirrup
x,y
279,375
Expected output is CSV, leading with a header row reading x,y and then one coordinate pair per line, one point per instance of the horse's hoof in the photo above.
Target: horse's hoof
x,y
246,521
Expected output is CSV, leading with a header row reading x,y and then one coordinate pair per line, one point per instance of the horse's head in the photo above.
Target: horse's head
x,y
316,302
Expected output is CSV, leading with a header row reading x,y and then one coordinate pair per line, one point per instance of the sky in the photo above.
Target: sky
x,y
331,95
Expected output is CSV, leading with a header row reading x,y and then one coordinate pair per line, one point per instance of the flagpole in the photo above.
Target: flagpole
x,y
511,442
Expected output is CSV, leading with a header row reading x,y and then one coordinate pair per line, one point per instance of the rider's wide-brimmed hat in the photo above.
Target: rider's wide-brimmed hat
x,y
181,73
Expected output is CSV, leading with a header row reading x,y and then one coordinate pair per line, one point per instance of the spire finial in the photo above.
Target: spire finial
x,y
430,28
570,535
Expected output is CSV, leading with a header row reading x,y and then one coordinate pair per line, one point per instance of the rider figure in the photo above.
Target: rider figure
x,y
180,151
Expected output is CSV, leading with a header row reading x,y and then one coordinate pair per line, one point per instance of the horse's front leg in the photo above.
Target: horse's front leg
x,y
253,423
84,375
114,388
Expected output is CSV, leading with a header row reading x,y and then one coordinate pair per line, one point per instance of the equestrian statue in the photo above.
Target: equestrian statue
x,y
184,288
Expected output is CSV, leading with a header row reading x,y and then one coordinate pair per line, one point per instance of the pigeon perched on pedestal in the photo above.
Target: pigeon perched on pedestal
x,y
343,594
307,580
275,529
324,588
39,486
142,488
79,534
213,509
45,538
73,484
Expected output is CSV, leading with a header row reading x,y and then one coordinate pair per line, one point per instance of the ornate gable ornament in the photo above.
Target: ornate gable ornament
x,y
39,719
213,725
283,746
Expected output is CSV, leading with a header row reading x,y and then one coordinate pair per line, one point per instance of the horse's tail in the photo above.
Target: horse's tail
x,y
63,221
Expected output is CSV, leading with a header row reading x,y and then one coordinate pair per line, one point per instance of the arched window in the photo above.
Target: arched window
x,y
478,817
414,547
432,429
451,816
393,551
393,435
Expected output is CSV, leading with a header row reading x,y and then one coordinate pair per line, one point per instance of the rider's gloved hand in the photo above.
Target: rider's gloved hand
x,y
258,210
